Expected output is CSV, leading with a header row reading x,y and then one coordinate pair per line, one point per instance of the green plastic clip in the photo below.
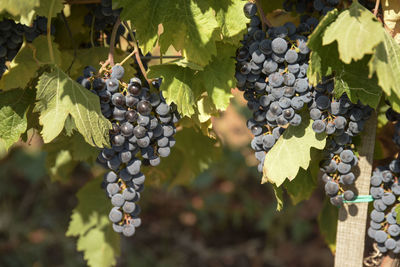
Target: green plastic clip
x,y
360,199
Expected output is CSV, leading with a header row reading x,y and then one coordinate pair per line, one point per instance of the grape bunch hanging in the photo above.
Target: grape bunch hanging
x,y
101,18
12,36
143,128
271,69
341,120
384,228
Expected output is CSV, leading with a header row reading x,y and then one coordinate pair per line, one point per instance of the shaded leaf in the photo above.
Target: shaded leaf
x,y
65,152
195,152
353,79
327,222
92,57
27,62
90,223
302,186
319,68
14,105
386,64
217,78
186,26
45,5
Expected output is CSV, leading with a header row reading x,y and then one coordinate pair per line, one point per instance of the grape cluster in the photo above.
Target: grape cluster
x,y
309,6
143,126
271,69
393,116
341,120
385,189
103,18
12,36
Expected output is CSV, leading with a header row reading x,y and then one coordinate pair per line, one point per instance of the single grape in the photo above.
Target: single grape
x,y
128,230
331,188
115,215
377,216
348,195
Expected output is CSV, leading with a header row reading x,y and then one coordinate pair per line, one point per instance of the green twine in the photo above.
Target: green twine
x,y
360,199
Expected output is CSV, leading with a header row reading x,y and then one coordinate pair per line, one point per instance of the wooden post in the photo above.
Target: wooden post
x,y
352,221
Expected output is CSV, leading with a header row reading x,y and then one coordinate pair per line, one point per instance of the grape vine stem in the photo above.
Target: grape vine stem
x,y
376,9
264,20
136,53
112,42
72,39
49,41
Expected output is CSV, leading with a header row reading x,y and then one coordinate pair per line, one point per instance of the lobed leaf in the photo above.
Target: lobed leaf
x,y
195,151
22,9
357,32
65,152
188,25
58,97
26,64
176,86
327,222
44,7
231,19
14,105
302,186
291,152
89,222
386,64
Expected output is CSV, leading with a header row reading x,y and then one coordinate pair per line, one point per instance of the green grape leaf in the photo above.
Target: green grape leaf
x,y
27,62
291,152
217,78
205,109
302,186
327,222
22,9
357,32
60,165
59,96
195,157
278,192
176,86
183,86
90,223
186,25
397,209
79,34
386,64
14,105
23,68
55,6
318,67
353,79
64,153
231,19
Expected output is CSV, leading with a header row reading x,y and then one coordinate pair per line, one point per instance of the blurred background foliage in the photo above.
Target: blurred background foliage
x,y
224,217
